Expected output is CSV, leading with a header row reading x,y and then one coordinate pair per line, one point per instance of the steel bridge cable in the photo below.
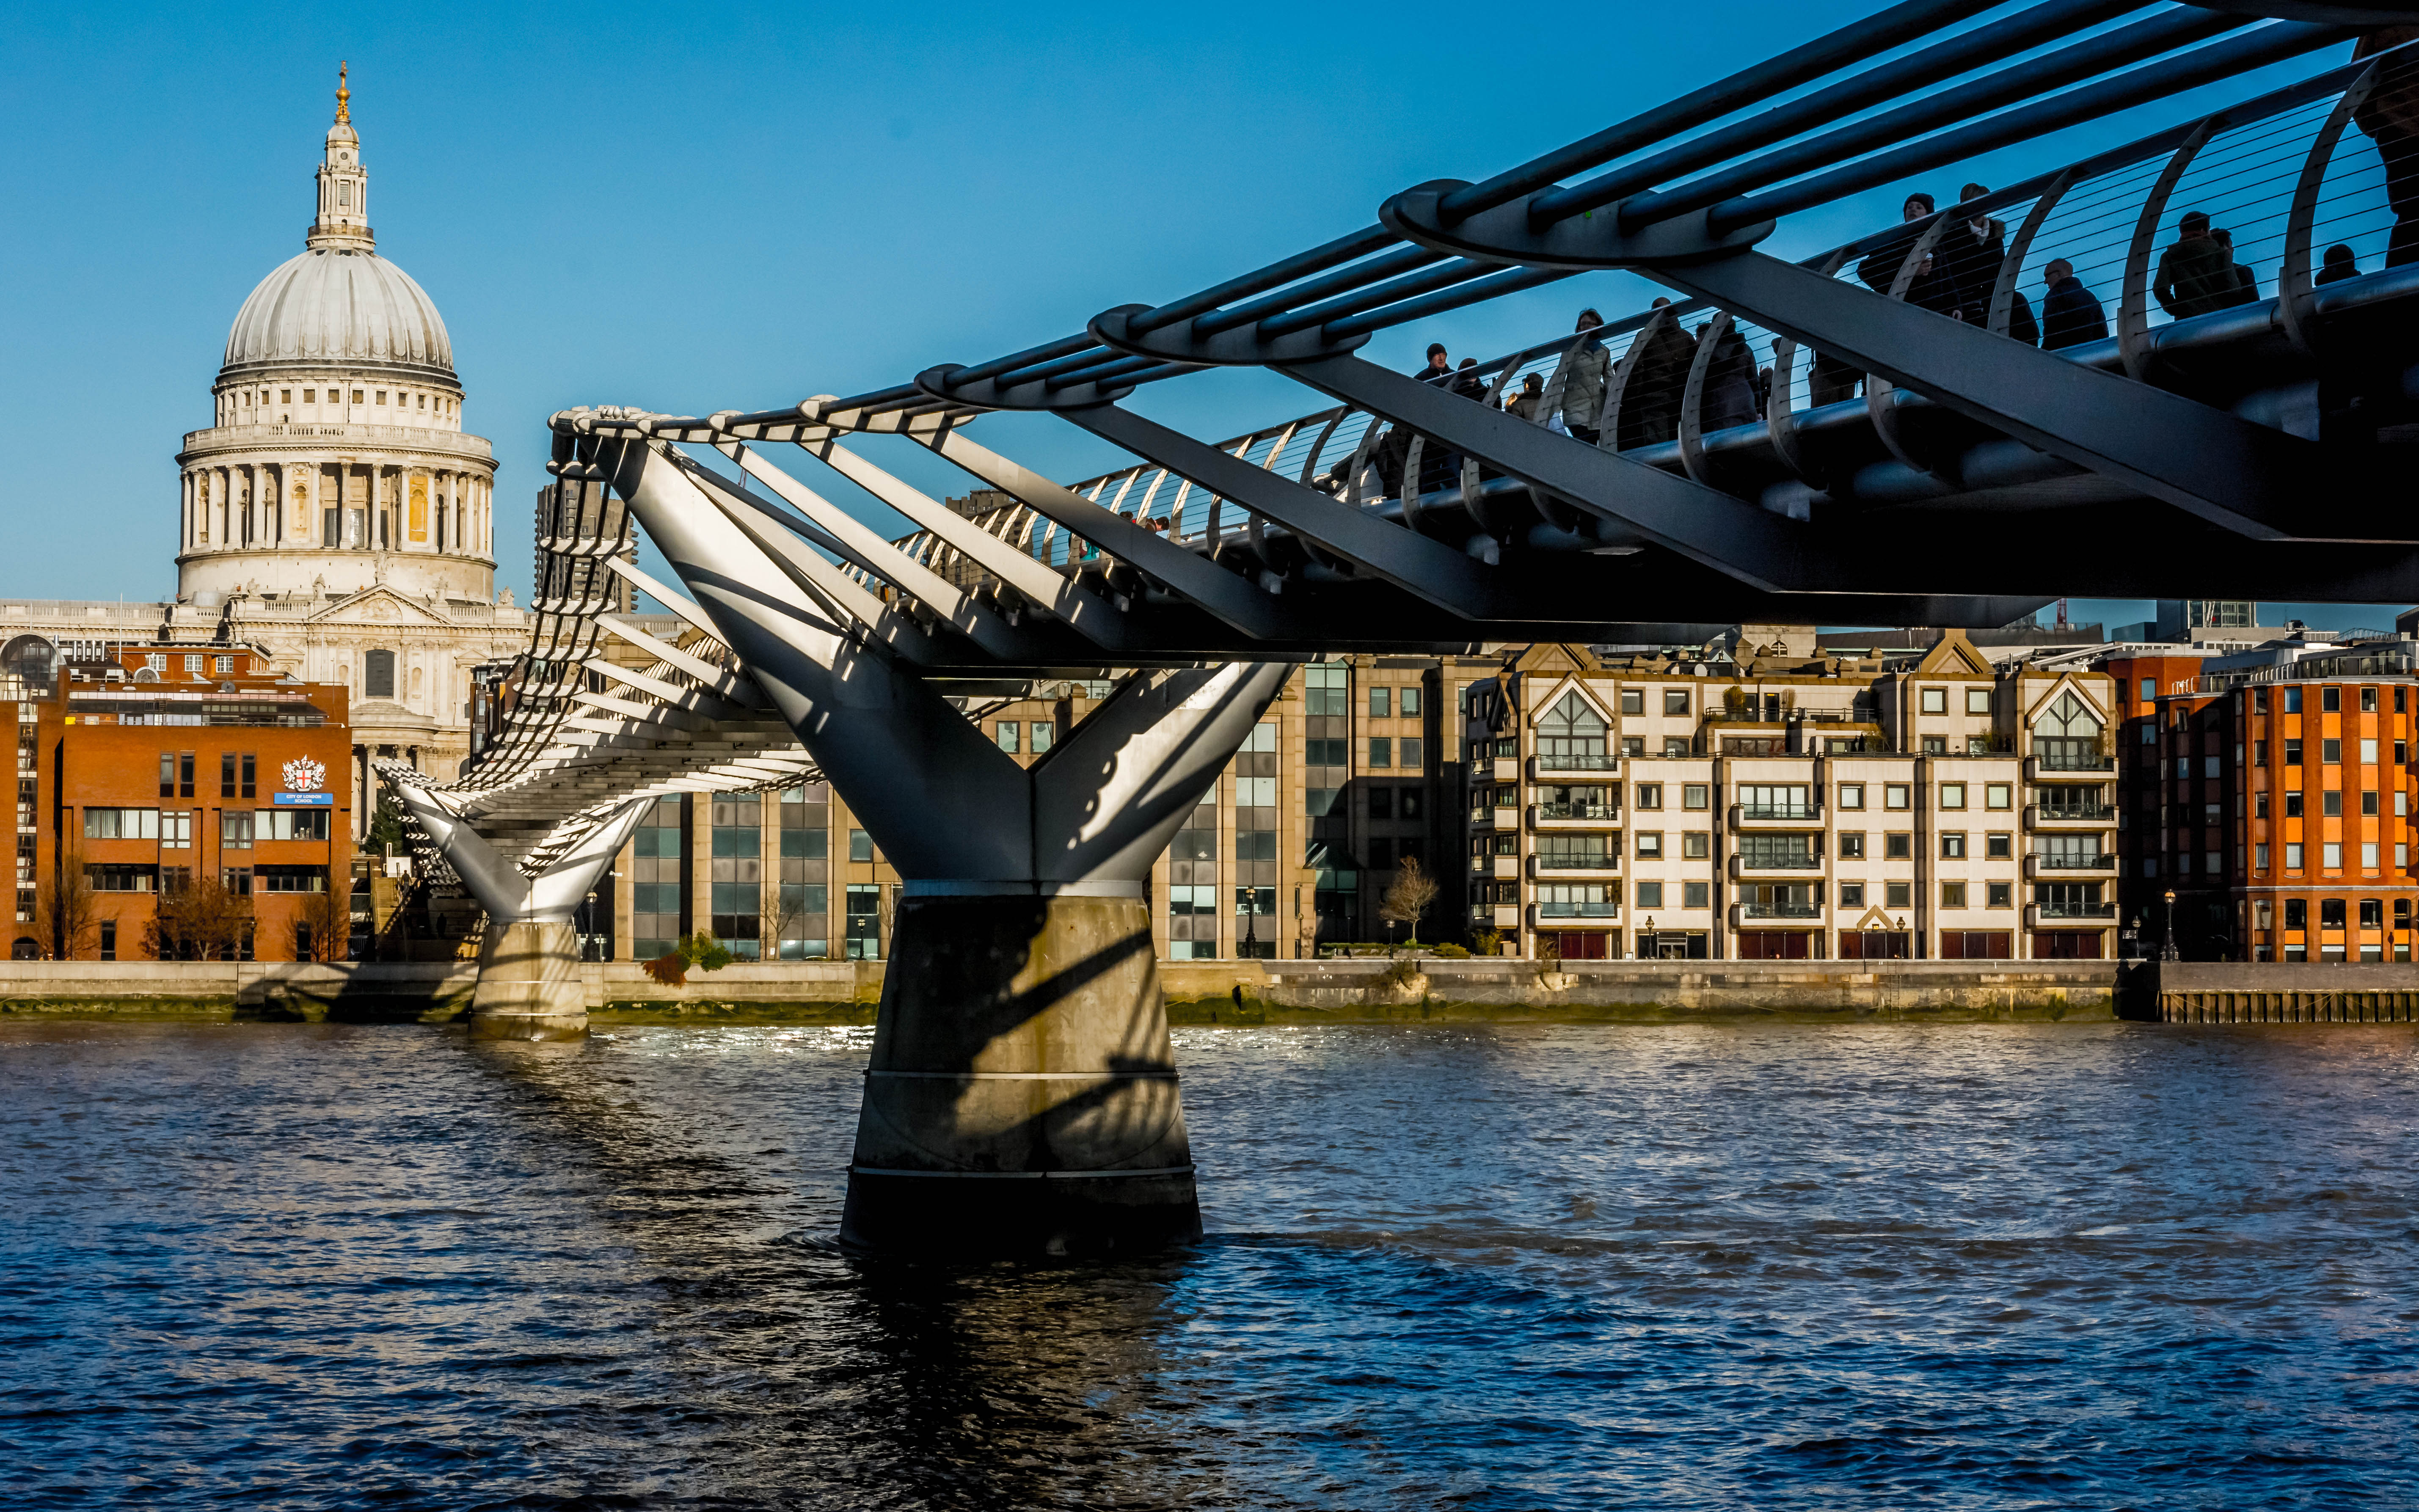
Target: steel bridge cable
x,y
2268,44
1960,54
2035,76
1850,44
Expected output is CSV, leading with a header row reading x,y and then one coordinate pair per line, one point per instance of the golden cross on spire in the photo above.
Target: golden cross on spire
x,y
344,96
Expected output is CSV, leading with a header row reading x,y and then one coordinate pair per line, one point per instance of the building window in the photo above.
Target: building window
x,y
1934,701
121,823
1407,702
2000,895
657,901
1697,846
1327,689
1045,735
1695,795
860,846
1411,754
1650,794
1952,795
1898,846
2331,803
1998,795
1977,701
2331,700
735,878
2331,750
1381,752
1898,894
1952,845
1675,745
1952,895
1381,703
1633,701
1852,795
864,924
1999,847
1852,845
234,829
2292,856
1650,895
1009,734
1675,701
377,674
1896,795
1649,846
1696,895
1852,895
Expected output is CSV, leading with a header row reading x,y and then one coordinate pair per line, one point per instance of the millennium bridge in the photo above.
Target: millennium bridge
x,y
2051,387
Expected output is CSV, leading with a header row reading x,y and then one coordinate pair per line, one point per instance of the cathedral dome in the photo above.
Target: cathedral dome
x,y
344,305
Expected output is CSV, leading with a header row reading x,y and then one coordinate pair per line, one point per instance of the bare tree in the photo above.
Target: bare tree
x,y
67,913
329,917
199,921
1413,892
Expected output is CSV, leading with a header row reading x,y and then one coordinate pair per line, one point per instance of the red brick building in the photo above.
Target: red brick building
x,y
151,765
2273,801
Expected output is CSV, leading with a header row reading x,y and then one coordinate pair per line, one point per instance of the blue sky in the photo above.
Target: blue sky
x,y
697,209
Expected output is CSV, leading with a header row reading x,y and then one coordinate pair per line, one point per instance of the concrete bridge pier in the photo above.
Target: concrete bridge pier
x,y
1022,1094
529,984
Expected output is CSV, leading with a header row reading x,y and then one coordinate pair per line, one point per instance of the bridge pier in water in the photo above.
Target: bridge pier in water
x,y
530,985
1022,1097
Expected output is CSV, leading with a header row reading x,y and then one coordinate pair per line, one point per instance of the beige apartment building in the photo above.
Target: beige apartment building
x,y
1773,803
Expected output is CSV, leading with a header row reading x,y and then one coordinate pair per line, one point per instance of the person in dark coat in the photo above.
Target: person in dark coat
x,y
1650,410
1931,287
1730,397
2070,315
1829,380
2389,114
1970,253
1438,369
2020,324
2195,275
2338,265
2246,282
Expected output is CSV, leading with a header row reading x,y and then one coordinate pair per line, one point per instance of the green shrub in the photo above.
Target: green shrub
x,y
1453,953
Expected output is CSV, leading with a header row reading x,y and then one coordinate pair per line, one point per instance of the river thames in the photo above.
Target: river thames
x,y
1518,1266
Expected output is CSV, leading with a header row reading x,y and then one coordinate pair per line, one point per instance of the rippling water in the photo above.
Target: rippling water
x,y
288,1266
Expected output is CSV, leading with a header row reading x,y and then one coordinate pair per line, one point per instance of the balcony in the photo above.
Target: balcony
x,y
1609,908
2069,817
1585,761
2037,915
1507,868
1507,769
2064,765
1776,816
1507,915
1743,864
2054,866
1764,913
1574,813
1575,863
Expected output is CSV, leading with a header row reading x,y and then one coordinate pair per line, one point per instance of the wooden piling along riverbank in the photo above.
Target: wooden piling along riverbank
x,y
2230,992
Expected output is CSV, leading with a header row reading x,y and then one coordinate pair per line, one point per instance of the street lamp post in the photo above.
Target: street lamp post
x,y
2168,951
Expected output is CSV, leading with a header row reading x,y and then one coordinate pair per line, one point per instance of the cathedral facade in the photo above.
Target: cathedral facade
x,y
334,513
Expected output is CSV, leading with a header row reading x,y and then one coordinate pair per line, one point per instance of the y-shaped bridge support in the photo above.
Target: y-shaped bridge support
x,y
529,959
1022,1097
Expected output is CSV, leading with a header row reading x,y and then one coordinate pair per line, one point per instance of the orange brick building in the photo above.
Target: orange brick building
x,y
151,765
2275,802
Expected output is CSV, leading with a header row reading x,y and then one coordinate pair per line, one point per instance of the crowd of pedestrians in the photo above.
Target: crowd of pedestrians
x,y
1952,271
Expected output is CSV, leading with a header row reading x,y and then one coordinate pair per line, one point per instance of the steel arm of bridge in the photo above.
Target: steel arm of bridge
x,y
509,895
2218,465
943,803
1043,584
1701,523
864,546
1189,575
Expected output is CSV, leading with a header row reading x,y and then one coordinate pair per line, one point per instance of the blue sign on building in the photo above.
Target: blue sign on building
x,y
307,800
